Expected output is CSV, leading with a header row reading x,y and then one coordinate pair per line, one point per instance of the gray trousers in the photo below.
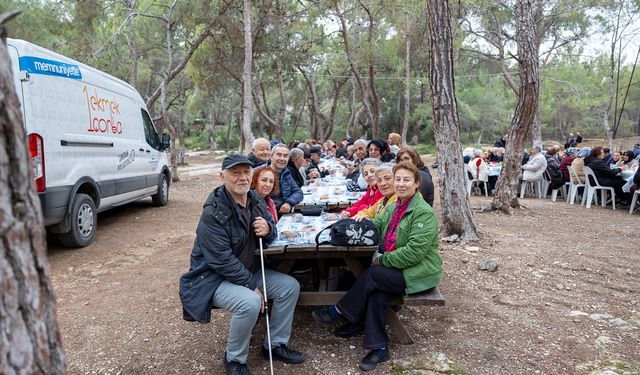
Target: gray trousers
x,y
244,305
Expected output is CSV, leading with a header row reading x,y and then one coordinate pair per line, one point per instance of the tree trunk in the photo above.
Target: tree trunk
x,y
131,41
247,135
506,196
407,81
536,128
456,212
29,333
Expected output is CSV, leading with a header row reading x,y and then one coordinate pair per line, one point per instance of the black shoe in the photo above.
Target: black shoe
x,y
284,354
235,368
371,360
349,330
323,316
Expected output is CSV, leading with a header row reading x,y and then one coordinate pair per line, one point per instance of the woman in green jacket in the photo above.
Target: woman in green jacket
x,y
408,261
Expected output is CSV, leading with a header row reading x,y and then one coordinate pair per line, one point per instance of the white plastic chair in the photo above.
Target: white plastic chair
x,y
554,193
590,178
532,186
574,184
633,201
472,181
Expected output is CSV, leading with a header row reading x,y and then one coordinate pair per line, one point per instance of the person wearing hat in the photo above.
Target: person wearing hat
x,y
569,156
224,271
315,155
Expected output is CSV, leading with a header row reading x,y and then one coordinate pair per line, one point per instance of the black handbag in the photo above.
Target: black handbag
x,y
348,232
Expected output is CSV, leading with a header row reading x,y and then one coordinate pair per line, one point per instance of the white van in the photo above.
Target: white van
x,y
92,142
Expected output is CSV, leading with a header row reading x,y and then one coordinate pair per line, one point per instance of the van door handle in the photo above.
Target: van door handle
x,y
149,151
141,149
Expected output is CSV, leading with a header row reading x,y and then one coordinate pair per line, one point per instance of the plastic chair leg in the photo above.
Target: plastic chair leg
x,y
590,197
633,203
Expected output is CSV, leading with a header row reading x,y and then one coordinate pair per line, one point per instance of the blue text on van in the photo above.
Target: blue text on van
x,y
36,65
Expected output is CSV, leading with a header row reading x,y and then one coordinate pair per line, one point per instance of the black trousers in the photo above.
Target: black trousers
x,y
367,299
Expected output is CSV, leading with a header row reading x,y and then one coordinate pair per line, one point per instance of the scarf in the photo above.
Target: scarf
x,y
392,232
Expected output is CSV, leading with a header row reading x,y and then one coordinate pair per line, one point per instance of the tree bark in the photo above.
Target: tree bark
x,y
407,81
247,135
131,41
506,196
456,210
29,333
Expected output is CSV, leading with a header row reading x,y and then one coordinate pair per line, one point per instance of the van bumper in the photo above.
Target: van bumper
x,y
54,202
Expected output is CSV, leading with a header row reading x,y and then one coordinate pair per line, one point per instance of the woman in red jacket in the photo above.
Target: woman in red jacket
x,y
372,195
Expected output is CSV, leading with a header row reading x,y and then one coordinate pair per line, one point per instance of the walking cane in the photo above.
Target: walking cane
x,y
266,305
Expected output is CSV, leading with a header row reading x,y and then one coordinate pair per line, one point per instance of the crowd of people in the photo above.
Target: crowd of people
x,y
258,188
553,165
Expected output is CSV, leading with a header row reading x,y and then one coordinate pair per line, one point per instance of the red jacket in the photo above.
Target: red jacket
x,y
369,198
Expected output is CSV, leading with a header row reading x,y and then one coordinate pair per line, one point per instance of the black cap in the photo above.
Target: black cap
x,y
307,154
606,149
235,159
315,150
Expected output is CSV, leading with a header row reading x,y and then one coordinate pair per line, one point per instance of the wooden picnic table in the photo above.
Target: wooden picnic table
x,y
288,254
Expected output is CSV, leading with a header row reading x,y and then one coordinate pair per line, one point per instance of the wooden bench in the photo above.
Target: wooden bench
x,y
432,297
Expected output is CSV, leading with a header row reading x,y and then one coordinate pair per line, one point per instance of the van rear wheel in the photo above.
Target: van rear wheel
x,y
161,198
84,220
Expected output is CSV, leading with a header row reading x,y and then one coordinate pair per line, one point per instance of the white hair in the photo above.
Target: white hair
x,y
259,140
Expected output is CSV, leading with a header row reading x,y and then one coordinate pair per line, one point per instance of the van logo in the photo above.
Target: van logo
x,y
104,113
36,65
126,158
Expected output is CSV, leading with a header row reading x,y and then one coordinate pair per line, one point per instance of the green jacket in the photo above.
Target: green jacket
x,y
417,253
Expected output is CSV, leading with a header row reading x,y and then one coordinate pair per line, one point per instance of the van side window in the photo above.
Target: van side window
x,y
149,131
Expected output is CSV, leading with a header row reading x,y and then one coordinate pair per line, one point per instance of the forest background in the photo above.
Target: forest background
x,y
331,69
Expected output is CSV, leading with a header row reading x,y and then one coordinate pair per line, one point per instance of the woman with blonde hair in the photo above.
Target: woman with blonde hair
x,y
395,142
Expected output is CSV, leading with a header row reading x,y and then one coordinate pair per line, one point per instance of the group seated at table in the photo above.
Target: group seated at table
x,y
408,262
372,195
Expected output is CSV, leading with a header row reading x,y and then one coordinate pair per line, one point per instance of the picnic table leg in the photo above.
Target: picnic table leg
x,y
285,265
323,274
396,327
355,266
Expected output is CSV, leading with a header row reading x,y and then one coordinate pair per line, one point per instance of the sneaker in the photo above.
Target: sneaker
x,y
234,368
284,354
324,316
371,360
349,330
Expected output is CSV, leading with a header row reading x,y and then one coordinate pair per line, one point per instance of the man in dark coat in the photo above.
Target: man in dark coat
x,y
224,271
606,176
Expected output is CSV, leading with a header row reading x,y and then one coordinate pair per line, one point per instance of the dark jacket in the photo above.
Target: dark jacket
x,y
563,167
256,163
636,178
295,174
313,165
426,185
605,175
220,237
290,192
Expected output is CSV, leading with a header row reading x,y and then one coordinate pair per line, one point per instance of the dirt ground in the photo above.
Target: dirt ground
x,y
564,299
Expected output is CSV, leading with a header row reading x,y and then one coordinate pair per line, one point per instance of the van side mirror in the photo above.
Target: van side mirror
x,y
166,142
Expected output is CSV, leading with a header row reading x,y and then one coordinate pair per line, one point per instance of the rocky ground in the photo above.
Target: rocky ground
x,y
564,298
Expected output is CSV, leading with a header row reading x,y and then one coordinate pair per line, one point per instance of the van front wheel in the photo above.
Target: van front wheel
x,y
84,220
161,198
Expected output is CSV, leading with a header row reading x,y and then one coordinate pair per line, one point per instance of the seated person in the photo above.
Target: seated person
x,y
384,180
409,263
352,171
497,155
263,183
617,159
395,142
535,167
569,157
289,193
605,175
316,154
224,271
260,152
296,160
379,149
372,195
607,156
578,163
426,182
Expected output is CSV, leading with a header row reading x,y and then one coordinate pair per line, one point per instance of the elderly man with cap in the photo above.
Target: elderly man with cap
x,y
260,152
316,154
224,271
569,156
